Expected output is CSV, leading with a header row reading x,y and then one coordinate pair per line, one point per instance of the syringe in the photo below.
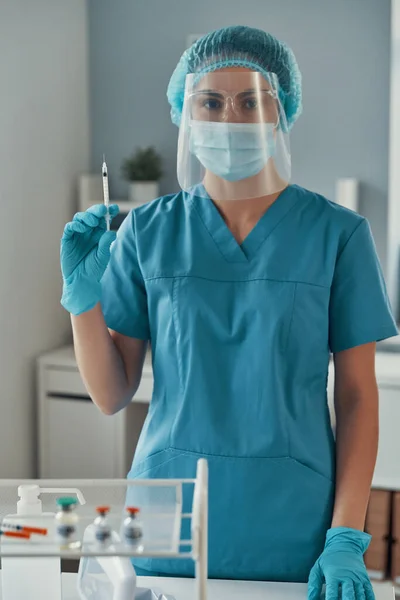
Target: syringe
x,y
106,194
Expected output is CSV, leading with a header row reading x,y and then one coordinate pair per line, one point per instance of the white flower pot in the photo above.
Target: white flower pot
x,y
141,192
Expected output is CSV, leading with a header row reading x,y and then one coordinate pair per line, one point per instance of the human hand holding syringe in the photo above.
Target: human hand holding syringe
x,y
106,194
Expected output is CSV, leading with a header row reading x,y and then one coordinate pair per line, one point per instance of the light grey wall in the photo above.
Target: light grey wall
x,y
44,144
343,50
393,271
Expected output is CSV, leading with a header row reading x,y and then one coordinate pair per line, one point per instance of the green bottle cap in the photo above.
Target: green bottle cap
x,y
66,501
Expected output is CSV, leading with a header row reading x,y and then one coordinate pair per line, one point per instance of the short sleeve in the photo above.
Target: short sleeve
x,y
359,310
124,299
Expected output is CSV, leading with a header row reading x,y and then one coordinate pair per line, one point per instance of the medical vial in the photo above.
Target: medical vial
x,y
102,531
132,529
67,523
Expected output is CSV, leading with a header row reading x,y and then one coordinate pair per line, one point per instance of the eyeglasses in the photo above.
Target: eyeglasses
x,y
249,106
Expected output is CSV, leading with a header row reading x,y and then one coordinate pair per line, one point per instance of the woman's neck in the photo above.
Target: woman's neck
x,y
241,216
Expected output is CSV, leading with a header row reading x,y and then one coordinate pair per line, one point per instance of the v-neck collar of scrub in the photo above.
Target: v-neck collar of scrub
x,y
224,239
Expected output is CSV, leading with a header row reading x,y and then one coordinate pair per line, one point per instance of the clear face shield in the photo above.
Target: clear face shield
x,y
233,138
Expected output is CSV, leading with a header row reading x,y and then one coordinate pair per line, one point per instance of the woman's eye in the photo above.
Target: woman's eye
x,y
251,103
212,104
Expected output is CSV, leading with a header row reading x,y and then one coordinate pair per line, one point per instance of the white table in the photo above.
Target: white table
x,y
98,446
183,589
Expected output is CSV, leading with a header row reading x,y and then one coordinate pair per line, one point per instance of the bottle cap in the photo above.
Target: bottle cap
x,y
66,502
102,510
132,510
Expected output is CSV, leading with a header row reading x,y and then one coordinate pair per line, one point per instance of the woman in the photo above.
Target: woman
x,y
243,284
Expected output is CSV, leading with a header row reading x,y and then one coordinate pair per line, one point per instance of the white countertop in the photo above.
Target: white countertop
x,y
386,483
387,363
183,589
65,358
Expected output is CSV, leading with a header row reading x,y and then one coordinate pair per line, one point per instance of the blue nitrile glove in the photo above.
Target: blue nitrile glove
x,y
341,567
84,254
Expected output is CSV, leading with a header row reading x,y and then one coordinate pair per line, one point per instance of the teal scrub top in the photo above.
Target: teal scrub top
x,y
241,336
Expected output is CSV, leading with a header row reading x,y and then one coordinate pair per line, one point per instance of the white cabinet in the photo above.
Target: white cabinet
x,y
75,440
387,470
81,441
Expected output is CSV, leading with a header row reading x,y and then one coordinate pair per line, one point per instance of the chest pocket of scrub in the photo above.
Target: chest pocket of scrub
x,y
231,342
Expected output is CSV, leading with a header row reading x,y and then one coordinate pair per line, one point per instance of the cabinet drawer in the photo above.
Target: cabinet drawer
x,y
376,558
379,502
396,517
396,563
64,381
387,464
81,441
378,514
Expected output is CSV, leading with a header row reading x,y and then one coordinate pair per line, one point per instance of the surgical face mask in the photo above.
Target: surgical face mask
x,y
232,151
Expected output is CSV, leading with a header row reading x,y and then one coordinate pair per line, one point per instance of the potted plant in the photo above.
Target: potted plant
x,y
143,170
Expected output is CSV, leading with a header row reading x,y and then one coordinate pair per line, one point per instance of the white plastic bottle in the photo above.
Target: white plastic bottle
x,y
132,529
99,577
33,578
102,530
67,524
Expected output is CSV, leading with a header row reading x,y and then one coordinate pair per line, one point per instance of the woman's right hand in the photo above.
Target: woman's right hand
x,y
84,254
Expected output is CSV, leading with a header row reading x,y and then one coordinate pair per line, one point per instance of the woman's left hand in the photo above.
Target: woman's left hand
x,y
341,567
